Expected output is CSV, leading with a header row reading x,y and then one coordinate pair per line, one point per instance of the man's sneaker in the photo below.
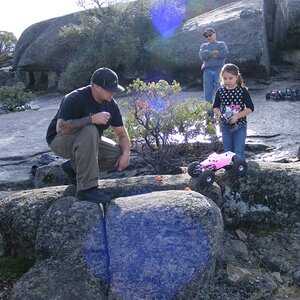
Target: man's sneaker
x,y
93,194
66,166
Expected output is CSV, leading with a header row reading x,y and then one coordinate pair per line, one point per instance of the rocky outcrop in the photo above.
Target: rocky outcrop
x,y
254,31
71,255
161,244
201,7
287,24
42,47
158,240
131,185
241,25
268,196
19,228
287,31
43,52
31,205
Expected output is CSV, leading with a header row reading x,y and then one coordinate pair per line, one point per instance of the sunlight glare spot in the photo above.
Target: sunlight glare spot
x,y
167,18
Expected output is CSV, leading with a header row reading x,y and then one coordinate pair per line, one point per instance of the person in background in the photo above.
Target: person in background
x,y
75,133
232,105
213,54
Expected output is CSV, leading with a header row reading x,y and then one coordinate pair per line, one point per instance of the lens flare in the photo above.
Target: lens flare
x,y
95,251
166,265
167,17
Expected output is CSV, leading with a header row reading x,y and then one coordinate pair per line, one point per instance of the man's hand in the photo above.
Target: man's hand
x,y
101,117
214,53
122,162
124,143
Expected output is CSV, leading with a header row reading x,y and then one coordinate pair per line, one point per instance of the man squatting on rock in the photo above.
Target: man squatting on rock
x,y
75,133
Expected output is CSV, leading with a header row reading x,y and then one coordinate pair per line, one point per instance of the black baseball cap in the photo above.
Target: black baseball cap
x,y
208,30
107,79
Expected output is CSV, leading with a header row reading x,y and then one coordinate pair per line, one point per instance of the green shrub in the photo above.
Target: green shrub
x,y
111,36
13,96
8,43
157,122
78,73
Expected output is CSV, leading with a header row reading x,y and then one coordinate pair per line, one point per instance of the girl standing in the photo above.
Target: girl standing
x,y
232,105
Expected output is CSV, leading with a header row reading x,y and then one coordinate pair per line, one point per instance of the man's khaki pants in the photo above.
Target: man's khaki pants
x,y
89,154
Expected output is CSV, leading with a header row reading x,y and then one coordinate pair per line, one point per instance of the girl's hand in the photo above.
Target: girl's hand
x,y
233,119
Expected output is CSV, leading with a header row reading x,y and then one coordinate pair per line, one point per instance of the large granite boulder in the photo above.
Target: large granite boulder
x,y
241,25
157,243
54,279
43,52
21,213
71,255
42,47
254,31
20,216
161,244
287,24
269,195
286,37
52,175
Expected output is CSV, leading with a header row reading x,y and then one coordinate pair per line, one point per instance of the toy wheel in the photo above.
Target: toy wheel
x,y
268,96
234,159
207,178
194,169
239,168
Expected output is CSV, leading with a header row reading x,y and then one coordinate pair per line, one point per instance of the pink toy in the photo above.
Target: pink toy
x,y
205,170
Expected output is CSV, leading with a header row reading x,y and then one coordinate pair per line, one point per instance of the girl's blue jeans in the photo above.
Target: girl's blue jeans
x,y
234,141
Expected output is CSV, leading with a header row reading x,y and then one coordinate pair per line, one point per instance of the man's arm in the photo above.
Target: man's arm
x,y
71,126
204,53
222,50
124,143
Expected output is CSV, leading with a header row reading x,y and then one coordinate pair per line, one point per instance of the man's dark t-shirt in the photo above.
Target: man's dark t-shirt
x,y
80,103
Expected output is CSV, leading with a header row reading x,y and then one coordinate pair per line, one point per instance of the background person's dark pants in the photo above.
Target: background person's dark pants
x,y
88,154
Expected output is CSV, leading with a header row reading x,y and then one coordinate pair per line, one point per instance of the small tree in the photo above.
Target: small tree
x,y
8,42
13,96
112,34
7,45
156,123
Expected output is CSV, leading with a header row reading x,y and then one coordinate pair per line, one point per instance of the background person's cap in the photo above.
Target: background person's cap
x,y
208,30
107,79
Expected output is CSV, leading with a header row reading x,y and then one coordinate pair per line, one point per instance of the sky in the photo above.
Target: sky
x,y
17,15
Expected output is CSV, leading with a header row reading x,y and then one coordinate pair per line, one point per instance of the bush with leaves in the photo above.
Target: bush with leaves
x,y
112,36
77,73
8,43
14,96
156,122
